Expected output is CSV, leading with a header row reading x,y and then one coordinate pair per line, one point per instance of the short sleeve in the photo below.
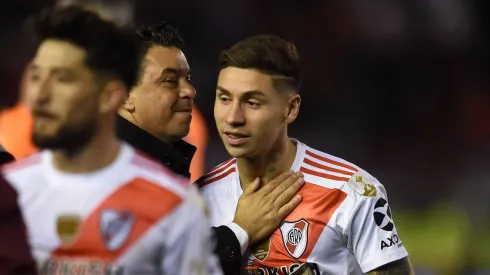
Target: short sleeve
x,y
373,237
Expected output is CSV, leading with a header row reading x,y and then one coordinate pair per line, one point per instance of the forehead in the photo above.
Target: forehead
x,y
160,58
57,53
237,80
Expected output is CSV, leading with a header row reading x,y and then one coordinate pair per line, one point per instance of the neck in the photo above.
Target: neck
x,y
278,160
98,153
131,118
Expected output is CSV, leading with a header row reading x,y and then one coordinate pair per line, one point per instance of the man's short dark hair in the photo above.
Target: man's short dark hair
x,y
160,34
112,52
267,54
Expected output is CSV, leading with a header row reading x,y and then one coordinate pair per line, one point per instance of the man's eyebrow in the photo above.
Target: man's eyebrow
x,y
251,93
169,71
54,70
62,71
174,71
223,90
254,93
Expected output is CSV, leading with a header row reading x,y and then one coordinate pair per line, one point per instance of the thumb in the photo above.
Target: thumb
x,y
252,187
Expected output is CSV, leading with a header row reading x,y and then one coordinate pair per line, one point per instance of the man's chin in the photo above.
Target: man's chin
x,y
64,140
46,142
237,152
180,134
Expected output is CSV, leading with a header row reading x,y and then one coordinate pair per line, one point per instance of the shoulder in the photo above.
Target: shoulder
x,y
150,171
220,173
333,172
27,162
23,172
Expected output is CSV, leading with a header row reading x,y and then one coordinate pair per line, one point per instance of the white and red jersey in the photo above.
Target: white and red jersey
x,y
343,223
132,217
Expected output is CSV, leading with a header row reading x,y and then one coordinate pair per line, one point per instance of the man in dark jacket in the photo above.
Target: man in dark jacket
x,y
156,117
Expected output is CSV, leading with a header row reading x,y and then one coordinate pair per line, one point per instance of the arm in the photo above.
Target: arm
x,y
371,230
228,250
400,267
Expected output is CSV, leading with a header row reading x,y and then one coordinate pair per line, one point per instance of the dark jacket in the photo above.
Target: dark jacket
x,y
15,256
178,158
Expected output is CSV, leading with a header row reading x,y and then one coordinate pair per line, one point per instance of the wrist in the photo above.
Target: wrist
x,y
245,227
241,234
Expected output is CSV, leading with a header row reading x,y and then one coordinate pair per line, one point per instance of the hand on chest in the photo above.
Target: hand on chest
x,y
292,243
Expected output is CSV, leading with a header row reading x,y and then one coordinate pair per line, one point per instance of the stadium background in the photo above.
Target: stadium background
x,y
401,88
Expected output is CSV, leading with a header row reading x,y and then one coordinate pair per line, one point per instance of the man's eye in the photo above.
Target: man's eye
x,y
224,99
64,79
170,80
35,77
253,103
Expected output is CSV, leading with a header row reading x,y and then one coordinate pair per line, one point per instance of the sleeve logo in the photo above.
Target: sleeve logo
x,y
362,184
382,215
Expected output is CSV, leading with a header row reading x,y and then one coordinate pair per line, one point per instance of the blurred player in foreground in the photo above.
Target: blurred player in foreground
x,y
93,204
343,224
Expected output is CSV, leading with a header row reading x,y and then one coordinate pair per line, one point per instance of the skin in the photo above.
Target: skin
x,y
249,105
161,103
73,110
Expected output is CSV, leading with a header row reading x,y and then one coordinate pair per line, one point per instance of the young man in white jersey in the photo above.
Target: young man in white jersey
x,y
93,204
343,224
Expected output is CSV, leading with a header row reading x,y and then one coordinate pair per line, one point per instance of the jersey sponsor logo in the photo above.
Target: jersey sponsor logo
x,y
115,227
362,184
382,215
68,227
293,269
283,270
389,242
295,237
73,266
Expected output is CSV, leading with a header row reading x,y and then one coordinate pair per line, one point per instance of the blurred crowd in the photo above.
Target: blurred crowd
x,y
400,88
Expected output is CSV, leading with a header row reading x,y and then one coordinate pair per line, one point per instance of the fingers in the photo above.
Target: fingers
x,y
252,187
269,187
288,207
282,187
289,191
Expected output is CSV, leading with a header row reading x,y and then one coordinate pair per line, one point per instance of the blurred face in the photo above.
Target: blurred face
x,y
63,96
162,103
251,115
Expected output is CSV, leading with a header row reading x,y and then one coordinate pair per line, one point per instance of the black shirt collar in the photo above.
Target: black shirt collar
x,y
176,157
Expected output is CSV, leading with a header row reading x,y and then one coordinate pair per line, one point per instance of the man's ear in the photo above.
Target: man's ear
x,y
292,112
112,97
128,104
